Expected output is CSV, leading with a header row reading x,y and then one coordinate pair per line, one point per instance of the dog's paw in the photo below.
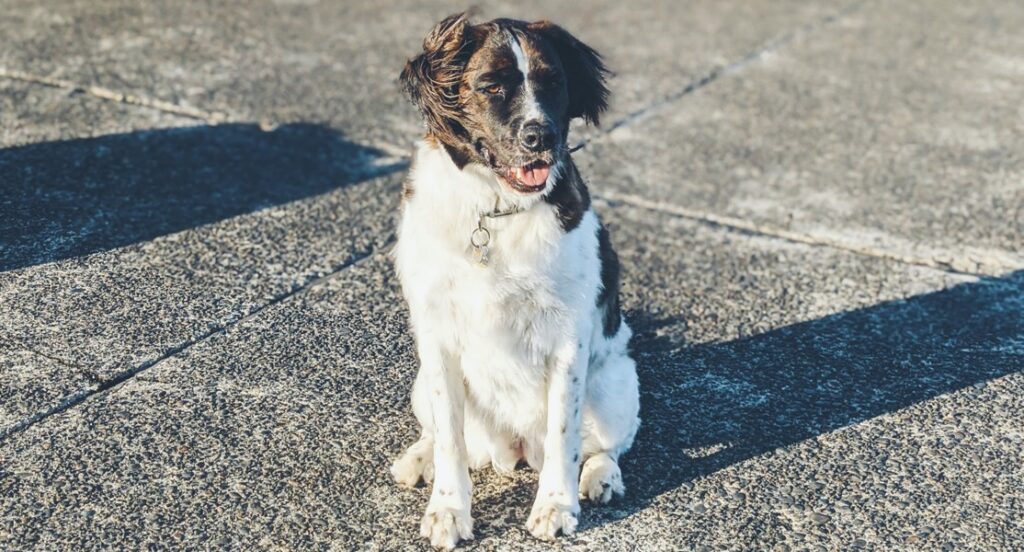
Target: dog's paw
x,y
445,527
414,465
601,479
504,463
548,518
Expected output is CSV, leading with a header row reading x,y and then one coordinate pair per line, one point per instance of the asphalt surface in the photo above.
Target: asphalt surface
x,y
819,208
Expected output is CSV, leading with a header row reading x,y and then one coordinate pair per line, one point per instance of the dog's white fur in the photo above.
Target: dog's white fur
x,y
513,360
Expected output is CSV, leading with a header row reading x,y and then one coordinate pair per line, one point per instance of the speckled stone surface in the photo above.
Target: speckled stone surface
x,y
337,63
898,125
121,248
202,343
30,113
791,397
31,384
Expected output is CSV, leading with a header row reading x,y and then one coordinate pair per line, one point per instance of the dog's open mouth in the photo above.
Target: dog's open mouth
x,y
528,178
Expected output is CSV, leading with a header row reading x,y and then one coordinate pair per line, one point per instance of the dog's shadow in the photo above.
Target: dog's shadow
x,y
64,199
709,406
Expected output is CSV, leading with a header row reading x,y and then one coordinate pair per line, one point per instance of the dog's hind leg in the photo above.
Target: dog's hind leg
x,y
486,444
610,418
416,463
601,478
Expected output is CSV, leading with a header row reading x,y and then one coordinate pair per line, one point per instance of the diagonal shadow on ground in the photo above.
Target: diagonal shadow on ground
x,y
709,406
70,198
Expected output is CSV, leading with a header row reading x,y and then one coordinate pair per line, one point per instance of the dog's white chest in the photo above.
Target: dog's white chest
x,y
503,320
505,341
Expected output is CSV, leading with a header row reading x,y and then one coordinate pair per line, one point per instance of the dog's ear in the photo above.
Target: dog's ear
x,y
431,79
585,72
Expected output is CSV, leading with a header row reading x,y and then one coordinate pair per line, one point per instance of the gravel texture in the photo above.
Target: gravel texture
x,y
898,125
202,343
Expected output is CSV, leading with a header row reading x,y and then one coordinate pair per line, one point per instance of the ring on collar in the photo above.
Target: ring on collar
x,y
480,237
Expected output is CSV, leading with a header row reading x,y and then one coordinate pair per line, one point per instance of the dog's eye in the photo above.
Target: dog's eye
x,y
492,89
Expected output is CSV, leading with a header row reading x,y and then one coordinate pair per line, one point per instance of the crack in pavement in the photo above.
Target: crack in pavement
x,y
20,345
105,385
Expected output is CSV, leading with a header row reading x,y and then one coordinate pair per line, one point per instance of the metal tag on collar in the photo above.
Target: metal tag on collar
x,y
480,239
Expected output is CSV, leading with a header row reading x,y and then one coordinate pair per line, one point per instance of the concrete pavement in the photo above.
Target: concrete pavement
x,y
818,208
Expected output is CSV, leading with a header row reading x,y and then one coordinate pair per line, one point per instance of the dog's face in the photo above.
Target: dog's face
x,y
502,94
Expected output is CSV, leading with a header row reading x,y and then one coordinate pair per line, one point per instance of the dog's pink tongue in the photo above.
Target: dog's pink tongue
x,y
532,176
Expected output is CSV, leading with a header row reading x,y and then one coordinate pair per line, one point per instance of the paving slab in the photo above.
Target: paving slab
x,y
120,242
898,126
32,381
337,63
767,367
118,268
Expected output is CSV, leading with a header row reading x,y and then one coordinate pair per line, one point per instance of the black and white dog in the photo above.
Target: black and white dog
x,y
511,280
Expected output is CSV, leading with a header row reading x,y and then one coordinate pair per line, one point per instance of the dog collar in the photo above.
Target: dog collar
x,y
480,239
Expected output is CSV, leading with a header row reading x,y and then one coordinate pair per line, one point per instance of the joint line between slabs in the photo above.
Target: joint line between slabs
x,y
772,45
211,117
741,225
105,385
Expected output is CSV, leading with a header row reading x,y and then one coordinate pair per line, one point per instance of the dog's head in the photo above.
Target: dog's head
x,y
502,94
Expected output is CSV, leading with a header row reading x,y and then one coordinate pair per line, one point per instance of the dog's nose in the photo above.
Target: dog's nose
x,y
536,136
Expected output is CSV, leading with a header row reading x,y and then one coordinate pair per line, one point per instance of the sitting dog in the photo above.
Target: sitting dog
x,y
510,277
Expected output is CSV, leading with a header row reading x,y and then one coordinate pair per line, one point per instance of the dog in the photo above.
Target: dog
x,y
510,277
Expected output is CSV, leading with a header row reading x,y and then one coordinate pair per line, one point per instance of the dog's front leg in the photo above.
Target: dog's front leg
x,y
447,519
557,505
